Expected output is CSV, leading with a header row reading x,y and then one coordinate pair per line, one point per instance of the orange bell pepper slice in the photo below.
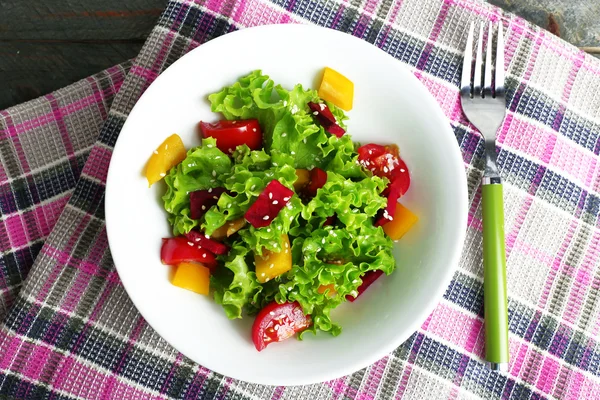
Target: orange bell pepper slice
x,y
192,276
270,265
403,220
170,153
337,89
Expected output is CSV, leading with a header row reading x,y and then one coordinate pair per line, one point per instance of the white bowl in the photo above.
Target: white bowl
x,y
390,106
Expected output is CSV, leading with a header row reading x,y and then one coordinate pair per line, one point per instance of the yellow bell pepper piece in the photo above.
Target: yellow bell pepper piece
x,y
170,153
303,179
403,220
229,228
271,264
337,89
192,276
330,289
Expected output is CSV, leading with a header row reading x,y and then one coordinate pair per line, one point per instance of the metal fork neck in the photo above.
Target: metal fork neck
x,y
491,174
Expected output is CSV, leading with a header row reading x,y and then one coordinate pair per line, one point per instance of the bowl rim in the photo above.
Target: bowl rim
x,y
454,155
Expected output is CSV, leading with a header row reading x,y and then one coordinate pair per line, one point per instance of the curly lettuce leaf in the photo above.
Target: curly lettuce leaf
x,y
235,284
204,167
333,258
251,173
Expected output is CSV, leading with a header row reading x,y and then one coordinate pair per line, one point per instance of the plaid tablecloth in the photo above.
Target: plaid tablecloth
x,y
70,331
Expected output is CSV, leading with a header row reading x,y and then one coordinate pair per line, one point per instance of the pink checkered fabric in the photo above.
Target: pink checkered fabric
x,y
69,330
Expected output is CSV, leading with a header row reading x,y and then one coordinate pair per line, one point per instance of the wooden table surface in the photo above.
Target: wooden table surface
x,y
48,44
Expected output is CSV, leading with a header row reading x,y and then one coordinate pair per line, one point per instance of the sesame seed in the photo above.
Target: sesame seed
x,y
402,170
286,251
271,265
270,195
210,190
204,255
283,134
234,122
210,146
385,169
290,289
206,236
155,152
322,105
190,243
229,205
253,129
355,281
287,245
271,313
275,202
214,173
267,280
215,197
189,165
253,187
286,198
319,249
266,217
316,113
166,146
212,181
304,140
292,152
275,164
162,174
276,327
291,218
204,207
284,103
269,230
217,157
323,241
197,239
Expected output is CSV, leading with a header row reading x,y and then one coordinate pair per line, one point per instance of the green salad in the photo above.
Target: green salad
x,y
277,213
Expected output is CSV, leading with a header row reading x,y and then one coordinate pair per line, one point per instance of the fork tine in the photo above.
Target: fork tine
x,y
487,75
465,81
500,59
478,64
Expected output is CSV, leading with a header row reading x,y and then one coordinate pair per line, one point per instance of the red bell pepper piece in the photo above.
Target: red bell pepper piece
x,y
268,204
318,178
385,161
367,279
277,322
207,243
230,134
202,200
179,249
326,118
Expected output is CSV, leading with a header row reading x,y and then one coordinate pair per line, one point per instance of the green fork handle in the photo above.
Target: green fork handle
x,y
494,281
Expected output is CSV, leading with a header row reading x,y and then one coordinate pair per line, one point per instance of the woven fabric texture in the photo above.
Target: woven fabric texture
x,y
70,331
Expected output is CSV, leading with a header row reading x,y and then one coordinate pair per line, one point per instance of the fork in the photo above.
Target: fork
x,y
483,101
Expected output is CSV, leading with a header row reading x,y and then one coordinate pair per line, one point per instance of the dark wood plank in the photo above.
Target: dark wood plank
x,y
78,19
48,44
